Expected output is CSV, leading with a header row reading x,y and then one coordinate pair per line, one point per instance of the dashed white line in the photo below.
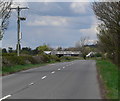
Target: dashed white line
x,y
5,97
43,77
31,84
53,72
59,69
63,67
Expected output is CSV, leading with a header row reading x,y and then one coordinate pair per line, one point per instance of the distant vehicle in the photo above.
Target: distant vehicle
x,y
91,54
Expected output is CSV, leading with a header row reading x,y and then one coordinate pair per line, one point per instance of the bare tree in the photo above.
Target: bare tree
x,y
80,45
4,15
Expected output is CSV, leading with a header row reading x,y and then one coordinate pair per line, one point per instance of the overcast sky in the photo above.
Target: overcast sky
x,y
54,23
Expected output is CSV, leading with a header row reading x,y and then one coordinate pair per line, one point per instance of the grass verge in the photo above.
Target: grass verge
x,y
18,68
109,75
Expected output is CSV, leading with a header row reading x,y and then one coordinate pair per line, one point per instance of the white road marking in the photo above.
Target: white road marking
x,y
5,97
63,67
43,77
31,84
59,69
53,72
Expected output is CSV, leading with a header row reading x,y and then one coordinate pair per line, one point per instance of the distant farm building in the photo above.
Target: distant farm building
x,y
63,53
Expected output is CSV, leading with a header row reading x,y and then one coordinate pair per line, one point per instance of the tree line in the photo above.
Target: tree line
x,y
85,49
109,29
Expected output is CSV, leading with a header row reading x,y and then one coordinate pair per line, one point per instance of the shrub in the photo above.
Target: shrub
x,y
46,58
54,58
98,55
6,62
42,58
15,60
9,54
65,58
30,60
69,58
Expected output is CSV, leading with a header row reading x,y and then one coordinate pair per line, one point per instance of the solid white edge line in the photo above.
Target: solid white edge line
x,y
5,97
43,77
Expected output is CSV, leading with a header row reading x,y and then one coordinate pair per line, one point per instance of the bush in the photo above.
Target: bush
x,y
42,58
6,62
66,58
54,58
30,60
12,60
46,58
15,60
9,54
98,55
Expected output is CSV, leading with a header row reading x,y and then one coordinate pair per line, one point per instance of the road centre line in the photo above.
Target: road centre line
x,y
43,77
5,97
53,72
31,84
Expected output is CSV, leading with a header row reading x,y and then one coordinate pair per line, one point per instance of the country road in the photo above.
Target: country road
x,y
68,80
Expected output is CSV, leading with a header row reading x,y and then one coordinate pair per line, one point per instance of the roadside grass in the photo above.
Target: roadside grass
x,y
94,58
18,68
109,75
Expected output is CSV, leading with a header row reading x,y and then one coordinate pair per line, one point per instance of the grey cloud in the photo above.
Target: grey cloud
x,y
54,32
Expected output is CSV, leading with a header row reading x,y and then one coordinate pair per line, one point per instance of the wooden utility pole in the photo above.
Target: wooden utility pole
x,y
18,27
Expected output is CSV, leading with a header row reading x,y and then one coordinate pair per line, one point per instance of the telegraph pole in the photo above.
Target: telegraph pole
x,y
18,23
18,27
